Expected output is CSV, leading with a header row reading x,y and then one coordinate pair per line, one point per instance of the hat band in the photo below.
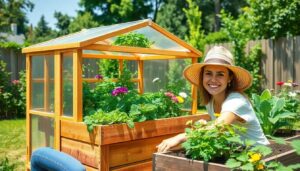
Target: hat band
x,y
217,60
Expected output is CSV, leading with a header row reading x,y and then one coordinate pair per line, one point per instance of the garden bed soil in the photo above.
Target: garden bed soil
x,y
118,147
177,160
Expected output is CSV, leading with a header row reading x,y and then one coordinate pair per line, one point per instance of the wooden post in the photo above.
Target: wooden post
x,y
141,76
57,97
28,105
46,84
194,93
77,85
120,66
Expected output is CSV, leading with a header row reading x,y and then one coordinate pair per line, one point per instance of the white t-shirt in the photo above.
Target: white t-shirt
x,y
240,106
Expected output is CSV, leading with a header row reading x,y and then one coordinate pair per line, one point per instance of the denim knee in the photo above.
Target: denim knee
x,y
46,158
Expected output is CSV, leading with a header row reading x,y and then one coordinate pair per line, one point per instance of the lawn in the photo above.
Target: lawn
x,y
13,142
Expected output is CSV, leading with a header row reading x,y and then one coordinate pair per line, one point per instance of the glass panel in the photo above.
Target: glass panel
x,y
87,34
160,40
167,74
42,83
67,80
42,132
90,68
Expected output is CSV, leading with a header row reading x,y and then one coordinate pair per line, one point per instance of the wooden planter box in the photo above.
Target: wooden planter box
x,y
118,147
176,161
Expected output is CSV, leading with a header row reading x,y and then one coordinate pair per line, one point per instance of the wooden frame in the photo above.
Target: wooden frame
x,y
69,131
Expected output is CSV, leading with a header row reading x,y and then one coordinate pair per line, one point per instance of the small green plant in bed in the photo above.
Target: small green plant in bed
x,y
271,112
118,102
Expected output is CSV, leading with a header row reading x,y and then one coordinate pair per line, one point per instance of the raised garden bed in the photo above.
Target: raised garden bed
x,y
118,147
176,160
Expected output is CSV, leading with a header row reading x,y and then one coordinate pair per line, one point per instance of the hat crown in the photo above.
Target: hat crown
x,y
219,54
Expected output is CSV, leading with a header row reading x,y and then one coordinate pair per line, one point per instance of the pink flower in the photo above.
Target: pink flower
x,y
98,76
119,90
15,82
280,83
295,84
169,94
174,99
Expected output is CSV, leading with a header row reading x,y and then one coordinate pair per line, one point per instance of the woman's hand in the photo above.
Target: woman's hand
x,y
167,144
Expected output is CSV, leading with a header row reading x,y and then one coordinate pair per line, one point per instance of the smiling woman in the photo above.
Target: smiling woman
x,y
221,85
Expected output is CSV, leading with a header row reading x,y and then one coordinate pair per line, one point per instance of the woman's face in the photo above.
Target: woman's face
x,y
215,79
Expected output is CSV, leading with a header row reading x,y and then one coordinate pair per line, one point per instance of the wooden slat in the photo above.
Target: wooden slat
x,y
194,93
46,84
141,76
49,48
28,106
139,166
140,50
57,97
42,113
166,162
94,80
78,131
121,132
134,151
161,57
296,60
106,56
77,85
88,154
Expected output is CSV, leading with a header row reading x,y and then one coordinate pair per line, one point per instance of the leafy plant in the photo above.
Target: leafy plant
x,y
208,141
270,112
6,166
133,39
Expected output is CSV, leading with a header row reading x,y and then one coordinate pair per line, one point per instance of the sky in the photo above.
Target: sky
x,y
48,7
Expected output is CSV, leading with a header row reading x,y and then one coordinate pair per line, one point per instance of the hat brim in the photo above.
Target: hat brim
x,y
242,76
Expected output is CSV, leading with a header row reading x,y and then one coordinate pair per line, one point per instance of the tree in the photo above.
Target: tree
x,y
275,18
63,22
42,32
171,17
82,21
14,11
116,11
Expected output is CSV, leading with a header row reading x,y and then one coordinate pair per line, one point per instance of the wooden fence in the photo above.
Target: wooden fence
x,y
280,60
15,61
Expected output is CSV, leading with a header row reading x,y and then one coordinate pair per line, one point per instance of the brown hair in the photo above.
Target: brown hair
x,y
205,97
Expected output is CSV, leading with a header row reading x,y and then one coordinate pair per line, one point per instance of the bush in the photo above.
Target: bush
x,y
12,95
6,166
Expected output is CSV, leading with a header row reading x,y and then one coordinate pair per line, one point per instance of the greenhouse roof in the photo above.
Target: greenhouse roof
x,y
101,38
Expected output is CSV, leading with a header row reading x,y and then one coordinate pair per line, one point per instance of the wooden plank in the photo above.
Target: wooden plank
x,y
289,60
28,106
166,162
141,76
87,154
121,132
271,63
77,85
161,57
57,97
105,56
194,93
49,48
139,166
296,60
104,150
134,151
140,50
42,113
78,131
88,168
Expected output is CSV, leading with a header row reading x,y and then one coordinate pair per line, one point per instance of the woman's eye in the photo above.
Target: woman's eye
x,y
207,73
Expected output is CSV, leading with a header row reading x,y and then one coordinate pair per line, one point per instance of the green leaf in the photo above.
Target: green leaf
x,y
247,166
243,157
296,145
264,150
278,140
130,124
232,163
266,95
294,166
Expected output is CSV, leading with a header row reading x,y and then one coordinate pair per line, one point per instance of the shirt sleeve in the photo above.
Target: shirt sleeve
x,y
239,105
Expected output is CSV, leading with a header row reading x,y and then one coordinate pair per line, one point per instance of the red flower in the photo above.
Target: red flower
x,y
280,83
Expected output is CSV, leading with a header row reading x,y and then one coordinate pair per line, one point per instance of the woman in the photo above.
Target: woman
x,y
221,86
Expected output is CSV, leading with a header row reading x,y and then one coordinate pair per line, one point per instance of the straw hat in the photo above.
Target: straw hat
x,y
218,55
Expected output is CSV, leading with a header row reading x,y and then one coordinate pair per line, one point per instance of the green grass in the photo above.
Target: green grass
x,y
13,142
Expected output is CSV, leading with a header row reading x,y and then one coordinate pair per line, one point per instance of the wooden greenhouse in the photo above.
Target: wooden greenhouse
x,y
55,113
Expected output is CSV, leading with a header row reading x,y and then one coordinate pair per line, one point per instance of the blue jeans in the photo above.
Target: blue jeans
x,y
48,159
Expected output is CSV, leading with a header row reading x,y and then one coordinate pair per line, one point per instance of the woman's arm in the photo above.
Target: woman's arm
x,y
229,118
167,144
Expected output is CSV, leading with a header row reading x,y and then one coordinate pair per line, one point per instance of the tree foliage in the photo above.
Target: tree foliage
x,y
14,11
82,21
275,18
116,11
63,22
